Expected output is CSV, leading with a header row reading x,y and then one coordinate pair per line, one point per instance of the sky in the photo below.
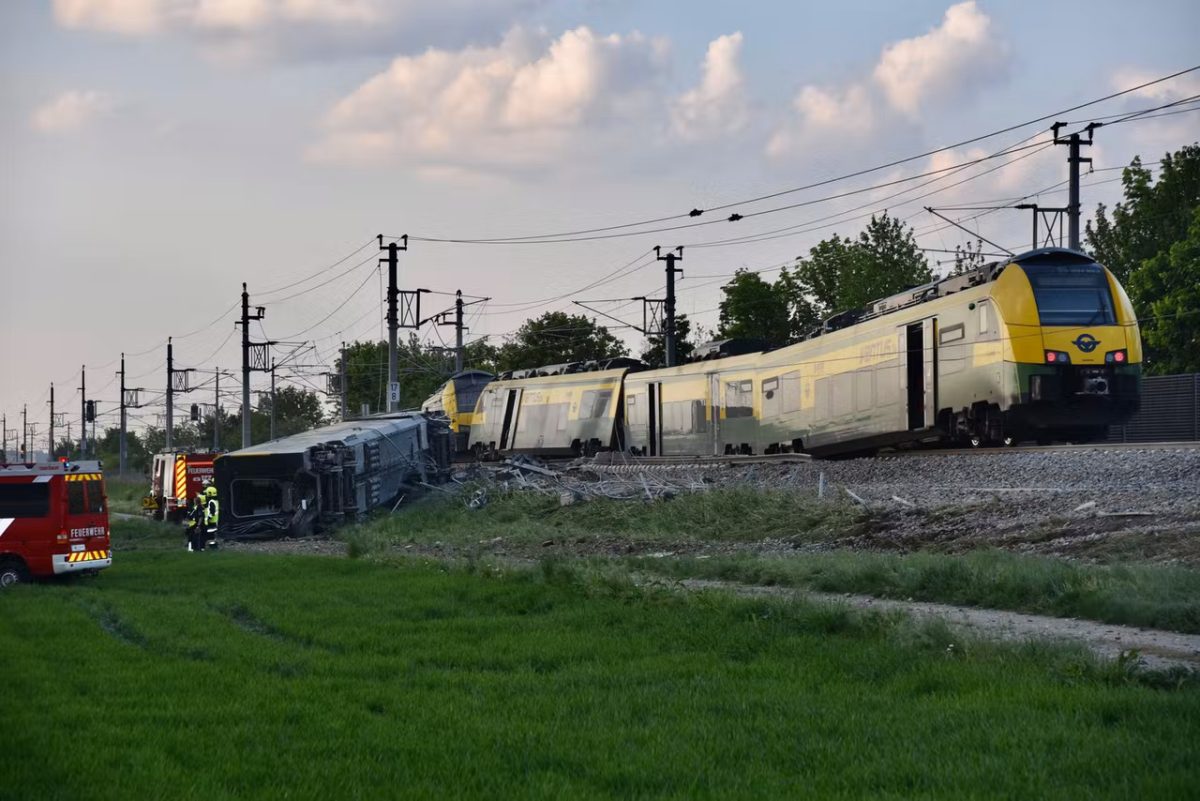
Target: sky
x,y
158,153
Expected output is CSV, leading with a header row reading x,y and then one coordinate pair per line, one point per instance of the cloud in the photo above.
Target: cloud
x,y
71,111
718,105
941,67
526,101
1165,92
296,28
825,115
943,64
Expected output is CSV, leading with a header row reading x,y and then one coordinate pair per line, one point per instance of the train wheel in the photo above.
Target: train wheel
x,y
1009,441
976,441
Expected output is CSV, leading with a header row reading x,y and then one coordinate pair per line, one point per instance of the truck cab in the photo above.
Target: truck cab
x,y
53,520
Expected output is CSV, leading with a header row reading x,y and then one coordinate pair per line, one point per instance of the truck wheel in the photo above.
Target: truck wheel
x,y
12,572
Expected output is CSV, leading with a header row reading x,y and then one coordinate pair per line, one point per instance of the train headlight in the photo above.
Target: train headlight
x,y
1057,357
1116,357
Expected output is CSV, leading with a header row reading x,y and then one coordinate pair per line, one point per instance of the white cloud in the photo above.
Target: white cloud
x,y
1166,91
940,67
943,64
70,111
718,105
832,116
296,28
524,102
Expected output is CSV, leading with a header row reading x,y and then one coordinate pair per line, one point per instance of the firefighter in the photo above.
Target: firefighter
x,y
212,514
195,524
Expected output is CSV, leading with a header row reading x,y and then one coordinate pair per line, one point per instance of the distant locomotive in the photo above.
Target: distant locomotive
x,y
1041,347
455,400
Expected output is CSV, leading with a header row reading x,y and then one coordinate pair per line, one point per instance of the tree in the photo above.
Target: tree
x,y
753,308
557,337
844,274
296,410
655,353
1153,216
1138,245
1169,287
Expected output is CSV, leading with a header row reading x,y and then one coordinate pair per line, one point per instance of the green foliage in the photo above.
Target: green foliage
x,y
754,308
422,369
1153,216
838,275
1168,288
655,352
1150,245
235,675
296,410
557,337
844,274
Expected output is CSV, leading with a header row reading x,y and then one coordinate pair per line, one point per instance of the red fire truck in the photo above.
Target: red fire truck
x,y
53,520
175,479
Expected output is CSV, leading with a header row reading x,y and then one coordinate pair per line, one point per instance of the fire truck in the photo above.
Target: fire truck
x,y
175,479
53,520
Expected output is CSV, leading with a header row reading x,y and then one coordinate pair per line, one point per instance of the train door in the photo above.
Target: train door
x,y
654,418
919,376
714,403
512,406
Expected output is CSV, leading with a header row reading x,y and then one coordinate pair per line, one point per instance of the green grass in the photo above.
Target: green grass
x,y
224,675
1135,594
125,495
729,515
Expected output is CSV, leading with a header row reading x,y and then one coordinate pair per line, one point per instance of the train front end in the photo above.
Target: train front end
x,y
1073,339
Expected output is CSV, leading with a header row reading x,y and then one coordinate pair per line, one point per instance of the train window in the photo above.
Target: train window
x,y
985,325
594,403
76,503
739,399
25,500
953,333
258,496
1071,294
699,417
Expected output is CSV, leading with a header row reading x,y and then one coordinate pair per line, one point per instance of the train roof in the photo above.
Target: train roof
x,y
349,431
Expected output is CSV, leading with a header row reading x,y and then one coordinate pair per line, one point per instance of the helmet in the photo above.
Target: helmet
x,y
210,491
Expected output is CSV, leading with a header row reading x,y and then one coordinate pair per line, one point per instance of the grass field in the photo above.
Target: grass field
x,y
1153,596
224,675
1131,593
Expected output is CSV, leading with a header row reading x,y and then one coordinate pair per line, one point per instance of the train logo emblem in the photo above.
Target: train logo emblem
x,y
1086,343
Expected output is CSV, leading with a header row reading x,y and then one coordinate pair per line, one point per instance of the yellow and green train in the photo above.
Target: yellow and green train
x,y
456,400
1044,346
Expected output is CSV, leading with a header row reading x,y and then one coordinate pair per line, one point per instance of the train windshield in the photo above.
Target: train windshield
x,y
1071,294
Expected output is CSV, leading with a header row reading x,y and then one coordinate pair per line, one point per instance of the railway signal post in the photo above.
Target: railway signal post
x,y
260,357
1073,143
669,305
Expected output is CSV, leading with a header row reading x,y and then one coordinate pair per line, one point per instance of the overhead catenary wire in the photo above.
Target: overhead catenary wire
x,y
585,233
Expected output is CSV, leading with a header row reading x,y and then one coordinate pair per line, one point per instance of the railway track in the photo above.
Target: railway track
x,y
622,461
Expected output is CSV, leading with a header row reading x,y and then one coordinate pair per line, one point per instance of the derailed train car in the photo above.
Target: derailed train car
x,y
455,400
559,410
311,482
1044,346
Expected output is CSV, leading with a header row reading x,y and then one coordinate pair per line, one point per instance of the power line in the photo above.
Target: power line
x,y
585,234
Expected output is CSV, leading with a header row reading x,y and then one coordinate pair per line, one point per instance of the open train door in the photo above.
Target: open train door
x,y
512,408
654,418
918,379
714,403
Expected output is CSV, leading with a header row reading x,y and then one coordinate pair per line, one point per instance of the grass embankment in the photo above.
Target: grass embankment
x,y
223,675
727,515
1139,595
1132,594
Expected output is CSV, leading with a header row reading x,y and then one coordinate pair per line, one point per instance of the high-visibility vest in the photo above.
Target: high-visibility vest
x,y
212,511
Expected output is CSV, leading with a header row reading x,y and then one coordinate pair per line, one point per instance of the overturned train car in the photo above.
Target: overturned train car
x,y
311,482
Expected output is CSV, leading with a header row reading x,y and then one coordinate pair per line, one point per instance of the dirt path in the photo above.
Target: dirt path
x,y
1157,649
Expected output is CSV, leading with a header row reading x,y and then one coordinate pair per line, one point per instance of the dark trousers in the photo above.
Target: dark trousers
x,y
196,538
